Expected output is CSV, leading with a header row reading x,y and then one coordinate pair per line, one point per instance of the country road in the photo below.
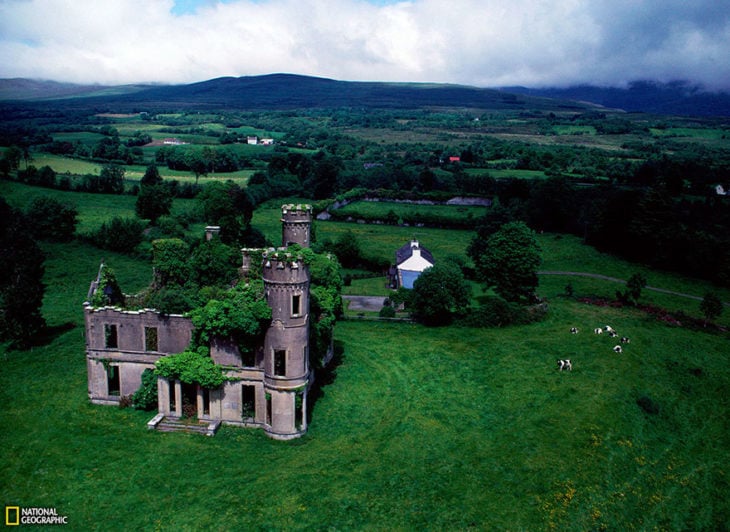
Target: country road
x,y
622,281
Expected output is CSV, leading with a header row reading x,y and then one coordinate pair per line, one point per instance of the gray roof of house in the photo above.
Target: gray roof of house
x,y
406,252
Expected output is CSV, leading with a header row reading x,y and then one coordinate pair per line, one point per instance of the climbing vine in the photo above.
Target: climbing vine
x,y
241,314
107,291
191,367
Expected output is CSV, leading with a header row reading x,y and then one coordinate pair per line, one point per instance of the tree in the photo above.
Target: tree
x,y
439,293
347,249
111,179
496,216
49,219
151,176
711,307
171,263
227,205
153,201
197,163
510,261
21,279
118,234
214,263
634,286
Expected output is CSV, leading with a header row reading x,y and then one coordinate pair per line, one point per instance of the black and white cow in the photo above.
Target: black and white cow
x,y
565,365
618,349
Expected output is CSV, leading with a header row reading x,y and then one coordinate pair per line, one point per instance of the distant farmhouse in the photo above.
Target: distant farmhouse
x,y
411,260
254,140
267,388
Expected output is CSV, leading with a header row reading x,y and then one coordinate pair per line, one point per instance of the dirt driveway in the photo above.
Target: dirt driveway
x,y
365,303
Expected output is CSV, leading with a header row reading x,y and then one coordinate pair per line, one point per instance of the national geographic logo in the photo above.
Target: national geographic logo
x,y
15,516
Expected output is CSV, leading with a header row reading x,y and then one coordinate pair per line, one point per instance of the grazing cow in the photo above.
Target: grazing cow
x,y
598,330
608,329
574,330
625,340
565,365
618,348
612,334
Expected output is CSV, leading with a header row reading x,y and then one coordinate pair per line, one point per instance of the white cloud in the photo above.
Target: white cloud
x,y
480,42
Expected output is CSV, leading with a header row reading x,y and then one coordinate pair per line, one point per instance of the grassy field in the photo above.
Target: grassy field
x,y
691,132
437,429
380,209
94,209
415,428
133,173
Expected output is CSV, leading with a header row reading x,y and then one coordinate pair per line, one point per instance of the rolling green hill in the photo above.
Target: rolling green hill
x,y
288,91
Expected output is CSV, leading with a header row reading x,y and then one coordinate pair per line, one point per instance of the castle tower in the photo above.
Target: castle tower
x,y
286,346
296,221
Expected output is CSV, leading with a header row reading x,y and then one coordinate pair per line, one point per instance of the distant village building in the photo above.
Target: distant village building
x,y
173,142
266,389
266,142
411,261
253,140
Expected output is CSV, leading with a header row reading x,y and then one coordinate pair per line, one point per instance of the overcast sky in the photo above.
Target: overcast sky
x,y
485,43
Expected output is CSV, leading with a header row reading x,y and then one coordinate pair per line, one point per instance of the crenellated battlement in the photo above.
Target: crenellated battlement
x,y
296,221
282,267
299,212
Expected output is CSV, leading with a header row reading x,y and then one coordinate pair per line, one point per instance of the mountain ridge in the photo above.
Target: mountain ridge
x,y
290,91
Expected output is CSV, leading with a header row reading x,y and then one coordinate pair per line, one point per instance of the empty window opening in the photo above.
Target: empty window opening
x,y
248,401
206,401
112,380
189,400
173,404
150,339
110,336
248,358
298,410
268,409
280,362
296,305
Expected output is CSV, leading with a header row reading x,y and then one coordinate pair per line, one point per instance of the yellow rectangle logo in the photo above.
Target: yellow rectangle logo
x,y
10,519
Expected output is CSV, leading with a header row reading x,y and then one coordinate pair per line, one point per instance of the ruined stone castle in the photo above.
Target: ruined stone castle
x,y
268,390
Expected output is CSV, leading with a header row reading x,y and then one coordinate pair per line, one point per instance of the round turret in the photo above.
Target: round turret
x,y
296,221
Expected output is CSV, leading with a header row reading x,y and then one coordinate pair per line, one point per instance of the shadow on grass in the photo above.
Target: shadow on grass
x,y
324,377
49,334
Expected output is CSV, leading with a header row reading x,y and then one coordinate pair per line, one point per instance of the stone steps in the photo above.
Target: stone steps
x,y
173,424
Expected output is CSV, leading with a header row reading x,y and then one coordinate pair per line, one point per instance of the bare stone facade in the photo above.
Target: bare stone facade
x,y
267,388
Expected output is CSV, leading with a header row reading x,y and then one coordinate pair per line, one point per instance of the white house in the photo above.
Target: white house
x,y
410,261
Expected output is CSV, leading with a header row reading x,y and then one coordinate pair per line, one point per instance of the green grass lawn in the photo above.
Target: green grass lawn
x,y
63,165
438,429
94,209
691,132
419,428
374,209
